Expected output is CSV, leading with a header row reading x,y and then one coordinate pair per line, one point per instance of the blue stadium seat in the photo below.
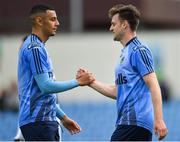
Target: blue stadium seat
x,y
96,119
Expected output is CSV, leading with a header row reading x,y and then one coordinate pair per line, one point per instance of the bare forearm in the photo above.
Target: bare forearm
x,y
157,101
104,89
152,82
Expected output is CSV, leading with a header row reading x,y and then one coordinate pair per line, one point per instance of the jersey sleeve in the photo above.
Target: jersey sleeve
x,y
142,61
38,60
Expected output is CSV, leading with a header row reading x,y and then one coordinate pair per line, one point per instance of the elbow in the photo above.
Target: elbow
x,y
43,83
113,97
44,89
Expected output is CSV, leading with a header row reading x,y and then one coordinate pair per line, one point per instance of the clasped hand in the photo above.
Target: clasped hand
x,y
84,77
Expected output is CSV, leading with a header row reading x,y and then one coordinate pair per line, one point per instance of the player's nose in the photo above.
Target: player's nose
x,y
57,23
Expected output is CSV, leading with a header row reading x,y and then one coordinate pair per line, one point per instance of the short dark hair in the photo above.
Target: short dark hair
x,y
126,12
40,8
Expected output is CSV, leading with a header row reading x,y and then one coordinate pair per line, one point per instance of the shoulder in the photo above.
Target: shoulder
x,y
34,45
138,45
140,48
31,42
34,48
141,51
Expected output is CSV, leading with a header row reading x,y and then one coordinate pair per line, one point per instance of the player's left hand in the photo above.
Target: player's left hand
x,y
80,72
160,129
70,125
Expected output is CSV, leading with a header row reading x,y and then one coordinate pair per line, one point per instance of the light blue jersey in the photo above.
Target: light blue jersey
x,y
134,102
34,105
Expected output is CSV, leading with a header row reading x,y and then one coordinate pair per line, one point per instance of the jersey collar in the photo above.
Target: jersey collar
x,y
37,37
130,41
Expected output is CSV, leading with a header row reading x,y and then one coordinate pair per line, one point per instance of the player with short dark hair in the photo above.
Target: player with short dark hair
x,y
37,86
136,87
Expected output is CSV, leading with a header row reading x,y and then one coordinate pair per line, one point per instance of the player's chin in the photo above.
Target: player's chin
x,y
116,39
53,33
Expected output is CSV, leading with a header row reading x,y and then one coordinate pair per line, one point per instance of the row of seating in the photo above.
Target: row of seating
x,y
96,119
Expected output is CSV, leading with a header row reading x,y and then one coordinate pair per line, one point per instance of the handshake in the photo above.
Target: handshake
x,y
84,77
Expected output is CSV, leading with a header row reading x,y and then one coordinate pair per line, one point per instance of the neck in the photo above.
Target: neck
x,y
127,37
40,34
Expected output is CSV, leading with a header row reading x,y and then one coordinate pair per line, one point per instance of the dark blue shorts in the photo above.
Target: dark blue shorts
x,y
41,131
131,133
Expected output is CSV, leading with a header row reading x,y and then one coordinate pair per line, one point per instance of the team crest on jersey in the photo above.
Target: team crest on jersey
x,y
121,59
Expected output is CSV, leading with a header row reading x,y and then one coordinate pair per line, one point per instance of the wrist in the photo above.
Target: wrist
x,y
75,82
63,118
92,83
158,117
60,113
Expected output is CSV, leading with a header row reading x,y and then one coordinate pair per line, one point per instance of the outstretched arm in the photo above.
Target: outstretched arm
x,y
48,85
105,89
159,125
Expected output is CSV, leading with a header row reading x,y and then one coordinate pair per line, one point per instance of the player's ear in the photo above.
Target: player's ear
x,y
39,21
124,24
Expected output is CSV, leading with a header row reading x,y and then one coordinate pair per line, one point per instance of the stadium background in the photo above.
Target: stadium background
x,y
83,40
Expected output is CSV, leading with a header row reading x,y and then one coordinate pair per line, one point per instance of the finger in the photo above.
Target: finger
x,y
90,74
79,72
82,70
156,131
76,131
162,134
161,137
71,131
78,75
92,79
77,127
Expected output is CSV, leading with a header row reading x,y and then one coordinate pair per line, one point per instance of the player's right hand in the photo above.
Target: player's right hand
x,y
160,129
84,77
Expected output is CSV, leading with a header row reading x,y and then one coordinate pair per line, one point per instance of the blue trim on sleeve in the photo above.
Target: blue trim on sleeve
x,y
59,112
48,85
